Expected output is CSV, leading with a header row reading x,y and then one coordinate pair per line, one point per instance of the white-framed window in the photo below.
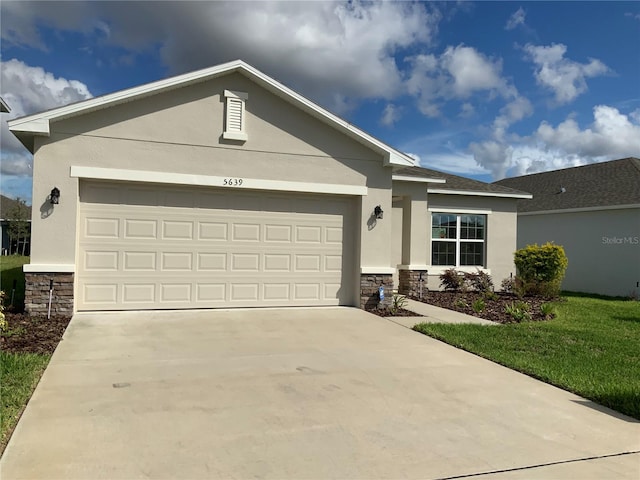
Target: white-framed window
x,y
234,121
458,239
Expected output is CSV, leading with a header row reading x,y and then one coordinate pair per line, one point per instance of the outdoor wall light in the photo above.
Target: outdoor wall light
x,y
54,196
378,212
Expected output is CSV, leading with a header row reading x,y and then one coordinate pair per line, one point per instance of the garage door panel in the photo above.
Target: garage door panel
x,y
193,248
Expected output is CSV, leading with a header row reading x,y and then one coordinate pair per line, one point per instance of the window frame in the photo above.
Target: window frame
x,y
458,240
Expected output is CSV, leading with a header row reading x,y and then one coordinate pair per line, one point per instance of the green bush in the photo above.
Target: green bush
x,y
398,303
478,305
541,269
519,311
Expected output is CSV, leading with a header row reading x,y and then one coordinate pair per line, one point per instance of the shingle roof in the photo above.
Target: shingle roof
x,y
616,182
7,204
457,183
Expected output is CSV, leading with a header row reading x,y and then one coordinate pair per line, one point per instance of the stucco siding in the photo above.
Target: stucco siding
x,y
501,232
603,247
180,132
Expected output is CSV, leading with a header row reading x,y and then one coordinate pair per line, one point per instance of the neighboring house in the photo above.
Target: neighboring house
x,y
4,108
224,188
23,244
593,211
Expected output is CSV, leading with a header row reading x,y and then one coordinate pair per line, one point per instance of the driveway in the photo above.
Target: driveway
x,y
299,393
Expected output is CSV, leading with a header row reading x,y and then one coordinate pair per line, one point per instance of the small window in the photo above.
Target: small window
x,y
458,240
234,128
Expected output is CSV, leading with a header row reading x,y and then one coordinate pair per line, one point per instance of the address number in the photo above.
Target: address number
x,y
232,182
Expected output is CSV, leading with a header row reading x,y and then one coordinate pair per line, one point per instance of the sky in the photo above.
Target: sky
x,y
485,90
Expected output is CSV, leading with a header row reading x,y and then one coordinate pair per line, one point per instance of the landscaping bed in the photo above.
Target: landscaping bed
x,y
493,306
387,312
26,334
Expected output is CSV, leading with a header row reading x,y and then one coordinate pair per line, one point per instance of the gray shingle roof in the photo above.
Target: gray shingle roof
x,y
455,182
616,182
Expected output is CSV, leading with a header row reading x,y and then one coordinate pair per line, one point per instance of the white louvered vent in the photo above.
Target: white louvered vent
x,y
235,116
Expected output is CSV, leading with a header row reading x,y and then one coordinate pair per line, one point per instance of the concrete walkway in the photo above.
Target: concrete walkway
x,y
299,394
433,314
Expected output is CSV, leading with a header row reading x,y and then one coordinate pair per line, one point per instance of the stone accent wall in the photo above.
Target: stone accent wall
x,y
369,290
36,301
409,282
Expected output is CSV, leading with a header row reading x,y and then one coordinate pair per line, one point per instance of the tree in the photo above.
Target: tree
x,y
18,220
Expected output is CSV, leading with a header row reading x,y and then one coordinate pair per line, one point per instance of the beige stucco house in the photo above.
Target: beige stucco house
x,y
224,188
593,211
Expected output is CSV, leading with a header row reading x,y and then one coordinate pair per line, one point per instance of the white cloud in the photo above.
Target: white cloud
x,y
493,156
517,18
467,110
635,16
514,111
27,90
458,73
390,115
318,48
564,77
611,135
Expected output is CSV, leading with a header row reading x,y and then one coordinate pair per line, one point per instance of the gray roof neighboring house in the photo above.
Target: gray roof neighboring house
x,y
605,184
4,108
455,184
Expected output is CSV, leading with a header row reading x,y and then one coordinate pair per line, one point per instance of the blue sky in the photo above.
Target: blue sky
x,y
480,89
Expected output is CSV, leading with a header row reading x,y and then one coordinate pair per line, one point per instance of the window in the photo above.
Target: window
x,y
234,128
457,240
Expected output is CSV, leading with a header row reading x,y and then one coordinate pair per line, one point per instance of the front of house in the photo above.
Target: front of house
x,y
223,188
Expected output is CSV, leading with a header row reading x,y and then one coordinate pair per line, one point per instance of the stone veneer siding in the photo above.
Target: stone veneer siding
x,y
409,282
36,301
369,290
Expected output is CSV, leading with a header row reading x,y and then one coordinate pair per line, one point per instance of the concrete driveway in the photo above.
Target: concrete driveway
x,y
295,393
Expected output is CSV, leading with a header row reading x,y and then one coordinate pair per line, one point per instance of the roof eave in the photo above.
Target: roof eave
x,y
478,193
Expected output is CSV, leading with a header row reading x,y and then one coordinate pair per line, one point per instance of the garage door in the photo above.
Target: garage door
x,y
156,247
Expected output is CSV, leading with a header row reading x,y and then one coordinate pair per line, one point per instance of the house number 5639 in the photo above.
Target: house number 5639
x,y
232,182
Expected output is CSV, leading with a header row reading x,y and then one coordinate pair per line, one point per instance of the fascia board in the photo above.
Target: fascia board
x,y
479,194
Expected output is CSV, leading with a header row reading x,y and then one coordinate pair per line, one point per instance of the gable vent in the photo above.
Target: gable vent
x,y
235,115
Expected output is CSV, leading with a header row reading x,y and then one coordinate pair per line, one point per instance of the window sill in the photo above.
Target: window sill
x,y
238,136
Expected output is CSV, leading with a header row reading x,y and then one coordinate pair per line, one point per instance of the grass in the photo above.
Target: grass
x,y
11,268
590,349
20,374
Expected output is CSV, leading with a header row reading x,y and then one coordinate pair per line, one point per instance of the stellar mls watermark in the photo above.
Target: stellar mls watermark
x,y
621,240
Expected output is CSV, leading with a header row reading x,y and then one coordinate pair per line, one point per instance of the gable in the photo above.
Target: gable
x,y
29,127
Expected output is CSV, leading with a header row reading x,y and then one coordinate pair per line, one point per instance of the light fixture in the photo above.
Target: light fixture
x,y
378,212
54,196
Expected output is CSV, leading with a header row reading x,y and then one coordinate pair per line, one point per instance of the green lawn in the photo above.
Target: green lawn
x,y
20,374
592,348
11,268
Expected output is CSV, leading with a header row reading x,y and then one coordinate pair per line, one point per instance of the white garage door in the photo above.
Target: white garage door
x,y
155,247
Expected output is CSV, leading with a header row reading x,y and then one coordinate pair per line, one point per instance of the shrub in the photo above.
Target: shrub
x,y
541,268
478,305
519,311
548,310
460,303
491,296
508,285
451,280
399,302
479,281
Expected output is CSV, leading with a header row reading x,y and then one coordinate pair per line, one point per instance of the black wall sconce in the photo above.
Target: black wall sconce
x,y
54,196
378,212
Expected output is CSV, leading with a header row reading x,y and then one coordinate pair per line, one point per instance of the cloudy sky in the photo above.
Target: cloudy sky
x,y
485,90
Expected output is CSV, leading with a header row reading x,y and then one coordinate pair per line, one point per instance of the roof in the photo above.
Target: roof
x,y
4,108
25,128
6,204
604,184
456,185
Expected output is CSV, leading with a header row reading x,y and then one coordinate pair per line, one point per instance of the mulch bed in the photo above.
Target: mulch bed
x,y
32,334
400,312
494,309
